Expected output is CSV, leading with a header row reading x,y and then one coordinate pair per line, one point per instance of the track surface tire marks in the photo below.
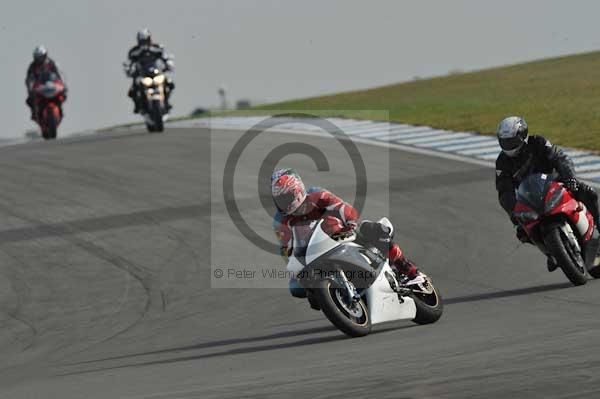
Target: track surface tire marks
x,y
105,286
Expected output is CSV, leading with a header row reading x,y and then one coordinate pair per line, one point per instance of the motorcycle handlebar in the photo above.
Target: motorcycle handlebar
x,y
344,235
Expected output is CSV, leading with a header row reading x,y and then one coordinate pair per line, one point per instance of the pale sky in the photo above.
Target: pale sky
x,y
273,50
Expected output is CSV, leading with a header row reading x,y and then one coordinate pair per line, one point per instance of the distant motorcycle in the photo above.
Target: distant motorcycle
x,y
48,98
559,225
152,82
353,285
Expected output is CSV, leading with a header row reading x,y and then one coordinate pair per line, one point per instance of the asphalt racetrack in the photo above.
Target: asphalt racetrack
x,y
106,244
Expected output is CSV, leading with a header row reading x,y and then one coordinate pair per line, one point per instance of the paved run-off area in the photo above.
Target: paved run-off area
x,y
105,269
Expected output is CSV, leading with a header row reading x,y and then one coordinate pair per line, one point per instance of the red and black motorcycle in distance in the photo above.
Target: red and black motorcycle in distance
x,y
48,99
559,225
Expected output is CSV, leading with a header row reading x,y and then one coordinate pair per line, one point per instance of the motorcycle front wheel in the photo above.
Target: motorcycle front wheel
x,y
350,317
157,117
569,261
50,122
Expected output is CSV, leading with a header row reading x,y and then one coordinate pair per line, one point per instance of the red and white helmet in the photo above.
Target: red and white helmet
x,y
287,190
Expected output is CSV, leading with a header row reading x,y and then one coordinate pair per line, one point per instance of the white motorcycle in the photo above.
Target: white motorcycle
x,y
354,285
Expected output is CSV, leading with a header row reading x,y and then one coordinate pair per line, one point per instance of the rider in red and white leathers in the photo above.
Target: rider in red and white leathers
x,y
296,205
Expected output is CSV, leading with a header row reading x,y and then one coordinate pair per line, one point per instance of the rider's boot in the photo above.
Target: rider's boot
x,y
296,289
29,102
133,94
406,271
171,87
168,105
551,264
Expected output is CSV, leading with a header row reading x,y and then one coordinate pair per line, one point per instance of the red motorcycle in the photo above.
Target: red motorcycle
x,y
559,225
48,98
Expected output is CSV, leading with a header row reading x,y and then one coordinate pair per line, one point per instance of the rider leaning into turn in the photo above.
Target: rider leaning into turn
x,y
523,155
295,205
41,66
147,52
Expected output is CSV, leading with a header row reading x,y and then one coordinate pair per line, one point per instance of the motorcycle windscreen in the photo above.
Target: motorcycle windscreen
x,y
152,67
48,76
533,190
310,241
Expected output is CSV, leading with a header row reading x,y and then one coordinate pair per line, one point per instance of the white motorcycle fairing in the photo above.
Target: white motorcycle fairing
x,y
383,303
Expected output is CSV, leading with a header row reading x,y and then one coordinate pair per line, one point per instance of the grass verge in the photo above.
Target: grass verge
x,y
559,98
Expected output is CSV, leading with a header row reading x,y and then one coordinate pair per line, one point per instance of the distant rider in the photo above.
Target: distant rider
x,y
523,155
40,68
146,53
295,204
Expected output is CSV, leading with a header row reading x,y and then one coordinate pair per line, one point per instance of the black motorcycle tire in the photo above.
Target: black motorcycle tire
x,y
50,131
156,113
324,294
429,307
52,128
556,242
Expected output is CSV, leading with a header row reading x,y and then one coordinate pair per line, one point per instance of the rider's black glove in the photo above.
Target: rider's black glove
x,y
571,184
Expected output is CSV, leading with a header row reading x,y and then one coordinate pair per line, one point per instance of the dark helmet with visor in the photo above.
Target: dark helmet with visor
x,y
512,135
144,37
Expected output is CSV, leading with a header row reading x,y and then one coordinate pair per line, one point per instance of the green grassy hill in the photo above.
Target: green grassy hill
x,y
559,98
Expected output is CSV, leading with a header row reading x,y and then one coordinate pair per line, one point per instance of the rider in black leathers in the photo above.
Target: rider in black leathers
x,y
146,53
523,155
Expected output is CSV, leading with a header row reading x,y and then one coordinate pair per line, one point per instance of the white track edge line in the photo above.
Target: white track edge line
x,y
383,144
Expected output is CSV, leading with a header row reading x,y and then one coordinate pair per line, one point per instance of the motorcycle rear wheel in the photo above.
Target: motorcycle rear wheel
x,y
595,272
331,300
560,248
430,307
